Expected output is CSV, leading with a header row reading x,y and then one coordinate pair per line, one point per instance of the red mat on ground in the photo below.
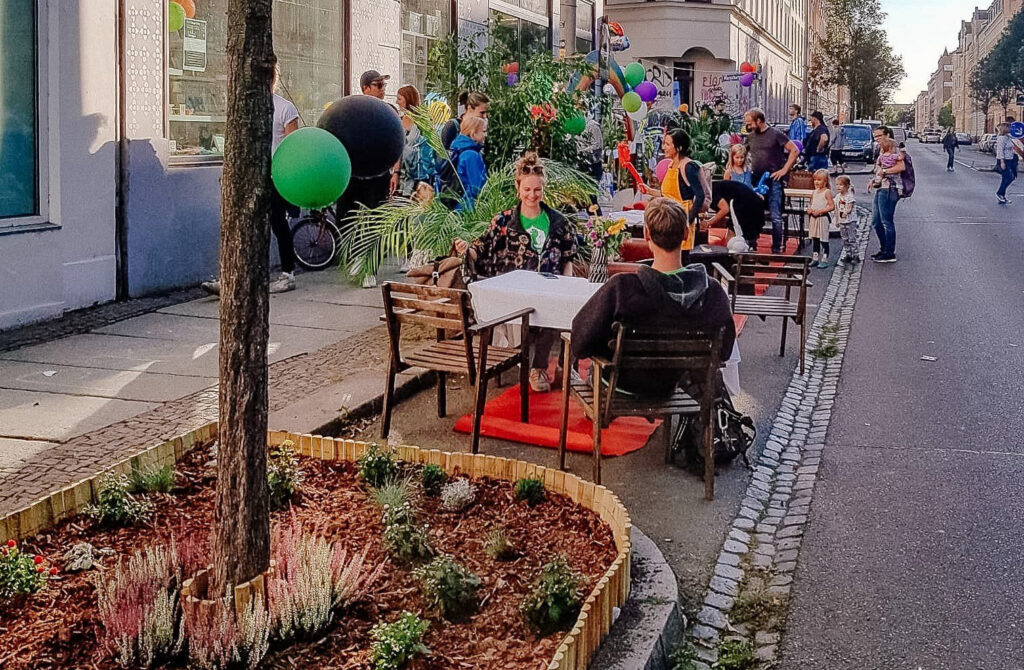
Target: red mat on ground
x,y
501,421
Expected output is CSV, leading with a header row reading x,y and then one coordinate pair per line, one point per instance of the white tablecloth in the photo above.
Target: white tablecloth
x,y
556,301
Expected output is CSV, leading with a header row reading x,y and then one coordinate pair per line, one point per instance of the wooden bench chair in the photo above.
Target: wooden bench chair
x,y
773,270
461,347
694,353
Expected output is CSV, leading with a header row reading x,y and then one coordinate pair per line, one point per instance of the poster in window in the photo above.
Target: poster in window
x,y
194,46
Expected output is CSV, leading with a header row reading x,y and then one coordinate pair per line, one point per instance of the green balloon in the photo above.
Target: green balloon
x,y
631,101
635,74
311,168
175,17
575,124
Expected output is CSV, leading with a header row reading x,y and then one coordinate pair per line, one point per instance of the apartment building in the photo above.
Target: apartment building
x,y
940,87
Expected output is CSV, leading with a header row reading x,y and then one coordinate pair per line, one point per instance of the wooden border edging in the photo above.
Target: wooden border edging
x,y
578,646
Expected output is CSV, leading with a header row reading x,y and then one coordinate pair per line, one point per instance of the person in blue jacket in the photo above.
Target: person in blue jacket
x,y
467,154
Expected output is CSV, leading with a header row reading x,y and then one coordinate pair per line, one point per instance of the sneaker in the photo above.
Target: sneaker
x,y
211,287
1002,200
891,258
824,263
284,283
539,382
876,256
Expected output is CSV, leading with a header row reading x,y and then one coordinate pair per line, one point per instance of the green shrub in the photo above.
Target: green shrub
x,y
498,546
684,657
433,478
116,506
531,490
393,494
377,466
457,495
554,601
20,573
396,643
449,587
154,480
735,655
406,539
284,476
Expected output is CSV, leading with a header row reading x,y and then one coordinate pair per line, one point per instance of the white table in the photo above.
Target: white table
x,y
555,301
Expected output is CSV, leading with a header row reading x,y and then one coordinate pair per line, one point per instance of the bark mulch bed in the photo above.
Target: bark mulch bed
x,y
58,626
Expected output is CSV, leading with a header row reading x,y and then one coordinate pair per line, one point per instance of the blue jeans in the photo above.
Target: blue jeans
x,y
817,162
1009,174
885,227
775,197
950,151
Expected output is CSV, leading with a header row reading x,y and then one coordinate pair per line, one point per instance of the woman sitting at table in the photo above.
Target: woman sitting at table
x,y
682,182
530,236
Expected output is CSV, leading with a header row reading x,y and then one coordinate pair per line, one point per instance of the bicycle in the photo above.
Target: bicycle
x,y
316,237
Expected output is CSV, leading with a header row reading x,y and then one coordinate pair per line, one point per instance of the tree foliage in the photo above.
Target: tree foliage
x,y
856,53
999,76
946,118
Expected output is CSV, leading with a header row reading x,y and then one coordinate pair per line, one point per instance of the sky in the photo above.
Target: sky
x,y
919,30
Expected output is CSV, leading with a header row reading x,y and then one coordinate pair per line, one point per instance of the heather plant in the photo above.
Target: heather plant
x,y
498,545
21,574
554,601
405,537
449,587
394,644
218,638
394,493
433,477
300,591
351,578
377,466
284,476
154,480
531,490
115,505
457,495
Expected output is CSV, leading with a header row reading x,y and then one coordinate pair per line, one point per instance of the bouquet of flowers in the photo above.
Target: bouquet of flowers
x,y
605,233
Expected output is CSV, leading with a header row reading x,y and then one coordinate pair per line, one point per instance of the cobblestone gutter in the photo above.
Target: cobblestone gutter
x,y
747,598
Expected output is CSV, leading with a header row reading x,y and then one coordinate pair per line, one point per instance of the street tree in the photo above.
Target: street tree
x,y
856,53
980,90
946,118
241,533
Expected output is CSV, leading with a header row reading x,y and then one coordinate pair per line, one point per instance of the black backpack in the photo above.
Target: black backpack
x,y
449,186
733,436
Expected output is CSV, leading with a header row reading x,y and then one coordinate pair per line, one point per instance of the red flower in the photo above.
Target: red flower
x,y
39,568
53,571
11,543
37,559
4,550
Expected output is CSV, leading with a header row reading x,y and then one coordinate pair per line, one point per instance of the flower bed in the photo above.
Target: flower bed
x,y
59,626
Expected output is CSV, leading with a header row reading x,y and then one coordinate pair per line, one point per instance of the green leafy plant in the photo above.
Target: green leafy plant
x,y
284,476
154,480
684,657
394,644
449,587
394,493
457,495
115,505
377,466
498,546
433,478
704,128
735,655
406,539
554,601
531,490
21,574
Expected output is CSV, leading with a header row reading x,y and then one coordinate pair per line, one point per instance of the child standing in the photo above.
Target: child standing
x,y
847,221
817,229
739,168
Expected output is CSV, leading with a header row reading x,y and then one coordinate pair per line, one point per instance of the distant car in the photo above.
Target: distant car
x,y
856,143
899,134
912,134
988,143
963,138
931,137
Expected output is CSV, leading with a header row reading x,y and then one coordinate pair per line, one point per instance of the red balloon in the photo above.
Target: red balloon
x,y
189,6
746,67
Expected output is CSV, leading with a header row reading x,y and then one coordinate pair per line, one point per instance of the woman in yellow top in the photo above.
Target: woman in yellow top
x,y
682,181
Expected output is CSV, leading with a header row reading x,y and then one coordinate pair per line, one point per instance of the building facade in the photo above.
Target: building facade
x,y
921,111
940,88
701,44
112,127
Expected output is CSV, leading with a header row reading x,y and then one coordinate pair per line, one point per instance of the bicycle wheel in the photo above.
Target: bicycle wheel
x,y
315,238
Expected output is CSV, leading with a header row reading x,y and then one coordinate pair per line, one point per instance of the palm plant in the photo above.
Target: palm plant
x,y
703,130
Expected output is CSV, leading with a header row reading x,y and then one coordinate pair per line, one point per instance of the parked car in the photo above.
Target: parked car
x,y
899,134
963,138
912,134
931,137
988,143
856,143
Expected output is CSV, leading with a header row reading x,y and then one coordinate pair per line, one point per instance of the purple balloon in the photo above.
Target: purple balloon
x,y
512,79
647,91
747,79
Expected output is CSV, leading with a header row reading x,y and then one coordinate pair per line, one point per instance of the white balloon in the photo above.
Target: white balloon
x,y
609,89
738,245
640,114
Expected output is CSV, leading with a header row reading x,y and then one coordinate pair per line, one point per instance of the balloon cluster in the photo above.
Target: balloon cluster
x,y
642,92
748,72
511,71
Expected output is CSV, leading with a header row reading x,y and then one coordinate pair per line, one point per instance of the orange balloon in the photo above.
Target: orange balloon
x,y
189,6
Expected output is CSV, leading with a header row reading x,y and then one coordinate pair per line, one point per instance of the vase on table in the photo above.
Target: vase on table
x,y
598,265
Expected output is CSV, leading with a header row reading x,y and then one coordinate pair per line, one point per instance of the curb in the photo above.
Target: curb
x,y
404,389
764,538
649,624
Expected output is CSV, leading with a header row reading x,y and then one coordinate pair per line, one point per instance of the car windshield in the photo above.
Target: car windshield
x,y
857,133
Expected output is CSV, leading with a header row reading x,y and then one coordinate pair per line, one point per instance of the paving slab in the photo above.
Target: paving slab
x,y
138,384
57,417
303,313
14,452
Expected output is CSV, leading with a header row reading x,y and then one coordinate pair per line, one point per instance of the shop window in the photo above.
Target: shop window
x,y
584,27
424,22
309,47
523,38
19,106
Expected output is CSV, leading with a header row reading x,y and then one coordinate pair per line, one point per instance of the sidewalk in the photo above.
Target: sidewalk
x,y
73,405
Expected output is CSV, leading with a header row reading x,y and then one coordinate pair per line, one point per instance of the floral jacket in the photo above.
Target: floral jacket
x,y
506,246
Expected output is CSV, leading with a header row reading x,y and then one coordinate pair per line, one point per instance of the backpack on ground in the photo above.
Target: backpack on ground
x,y
705,181
909,182
734,433
449,187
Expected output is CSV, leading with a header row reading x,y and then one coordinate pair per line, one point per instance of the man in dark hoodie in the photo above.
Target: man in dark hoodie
x,y
664,295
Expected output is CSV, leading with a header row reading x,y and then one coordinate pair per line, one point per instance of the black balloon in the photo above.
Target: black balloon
x,y
370,130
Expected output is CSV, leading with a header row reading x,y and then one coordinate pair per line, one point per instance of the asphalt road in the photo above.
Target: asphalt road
x,y
913,558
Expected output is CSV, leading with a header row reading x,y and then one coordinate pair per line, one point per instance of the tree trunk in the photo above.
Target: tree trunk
x,y
241,542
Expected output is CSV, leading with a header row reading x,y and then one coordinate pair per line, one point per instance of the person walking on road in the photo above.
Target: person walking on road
x,y
1006,161
886,184
816,144
773,153
835,148
950,144
797,124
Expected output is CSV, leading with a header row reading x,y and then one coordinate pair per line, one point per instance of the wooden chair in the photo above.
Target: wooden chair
x,y
462,347
697,353
773,270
